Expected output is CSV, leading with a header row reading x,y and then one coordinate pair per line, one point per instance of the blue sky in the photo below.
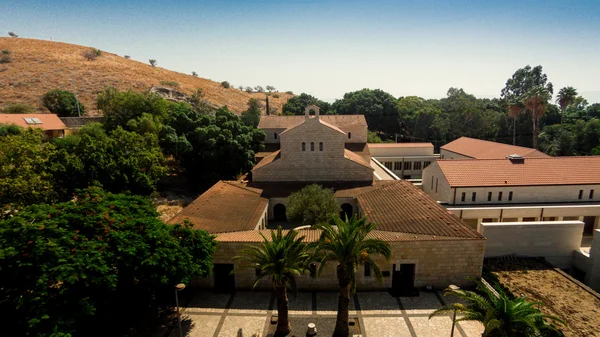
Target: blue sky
x,y
327,48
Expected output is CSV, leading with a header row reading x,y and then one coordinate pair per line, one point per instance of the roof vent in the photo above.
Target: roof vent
x,y
516,158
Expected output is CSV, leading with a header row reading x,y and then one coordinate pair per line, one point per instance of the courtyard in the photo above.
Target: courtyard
x,y
248,314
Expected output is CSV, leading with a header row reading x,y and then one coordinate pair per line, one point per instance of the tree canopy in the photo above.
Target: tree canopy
x,y
297,104
312,205
63,103
69,268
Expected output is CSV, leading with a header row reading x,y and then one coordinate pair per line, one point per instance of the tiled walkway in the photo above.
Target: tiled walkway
x,y
247,314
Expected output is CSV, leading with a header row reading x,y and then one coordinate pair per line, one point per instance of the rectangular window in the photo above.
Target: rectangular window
x,y
367,269
425,164
417,165
580,194
432,182
388,165
473,196
463,196
510,196
320,146
489,196
436,183
275,135
398,166
499,196
408,165
591,194
312,146
303,146
529,219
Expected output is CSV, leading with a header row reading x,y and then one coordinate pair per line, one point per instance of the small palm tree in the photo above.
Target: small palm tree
x,y
566,96
281,258
535,100
514,109
345,243
501,315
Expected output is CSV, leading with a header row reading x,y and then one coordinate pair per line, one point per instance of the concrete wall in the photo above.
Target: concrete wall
x,y
554,240
444,154
436,185
438,263
358,133
270,138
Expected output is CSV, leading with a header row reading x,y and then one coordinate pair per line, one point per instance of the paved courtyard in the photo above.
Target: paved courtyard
x,y
247,314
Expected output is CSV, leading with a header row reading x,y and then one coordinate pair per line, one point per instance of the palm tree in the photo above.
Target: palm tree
x,y
500,314
281,258
566,96
346,244
535,100
514,109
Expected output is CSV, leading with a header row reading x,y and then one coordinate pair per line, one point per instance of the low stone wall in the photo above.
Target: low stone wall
x,y
437,263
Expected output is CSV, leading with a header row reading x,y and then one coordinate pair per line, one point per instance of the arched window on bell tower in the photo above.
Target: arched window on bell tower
x,y
312,146
320,146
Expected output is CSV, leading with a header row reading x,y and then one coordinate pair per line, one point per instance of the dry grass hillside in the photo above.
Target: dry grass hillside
x,y
38,66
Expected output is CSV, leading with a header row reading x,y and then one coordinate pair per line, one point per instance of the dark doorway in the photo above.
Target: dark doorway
x,y
588,227
224,280
279,212
403,280
346,211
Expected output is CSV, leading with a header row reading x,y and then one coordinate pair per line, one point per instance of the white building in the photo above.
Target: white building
x,y
405,160
465,147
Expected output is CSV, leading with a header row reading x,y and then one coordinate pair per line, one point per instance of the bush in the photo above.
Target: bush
x,y
5,56
11,34
171,84
225,84
90,55
289,92
127,56
195,74
10,129
63,103
98,52
18,108
312,205
152,62
275,95
248,89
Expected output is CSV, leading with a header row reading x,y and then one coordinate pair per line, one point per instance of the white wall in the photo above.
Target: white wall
x,y
527,194
444,154
554,240
399,151
443,193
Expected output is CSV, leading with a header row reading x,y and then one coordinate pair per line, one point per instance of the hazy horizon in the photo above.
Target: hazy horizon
x,y
328,48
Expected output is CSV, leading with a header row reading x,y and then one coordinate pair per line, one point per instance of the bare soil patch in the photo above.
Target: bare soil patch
x,y
562,297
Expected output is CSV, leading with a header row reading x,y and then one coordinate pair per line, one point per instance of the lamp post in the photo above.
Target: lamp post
x,y
178,288
453,287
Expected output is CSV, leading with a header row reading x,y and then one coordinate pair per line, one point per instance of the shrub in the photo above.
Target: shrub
x,y
248,89
90,55
18,108
127,56
195,74
11,34
172,84
5,56
258,88
63,103
312,205
241,87
152,62
225,84
98,52
289,92
275,95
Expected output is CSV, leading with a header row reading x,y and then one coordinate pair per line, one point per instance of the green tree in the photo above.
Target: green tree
x,y
379,107
312,205
523,80
119,107
501,316
418,116
566,96
536,100
514,110
281,258
63,103
345,244
297,104
24,159
10,129
373,137
69,268
251,117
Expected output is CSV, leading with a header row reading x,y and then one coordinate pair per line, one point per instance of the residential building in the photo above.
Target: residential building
x,y
465,147
52,125
430,246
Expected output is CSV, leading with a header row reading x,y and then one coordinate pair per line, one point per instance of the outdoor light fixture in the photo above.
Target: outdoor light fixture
x,y
178,287
453,287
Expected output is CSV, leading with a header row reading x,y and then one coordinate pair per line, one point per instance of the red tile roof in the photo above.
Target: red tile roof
x,y
286,122
484,149
227,206
530,172
48,121
399,145
356,158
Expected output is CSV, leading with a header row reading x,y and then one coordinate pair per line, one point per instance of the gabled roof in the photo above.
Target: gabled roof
x,y
399,206
356,158
40,121
286,122
484,149
226,207
528,172
268,159
322,122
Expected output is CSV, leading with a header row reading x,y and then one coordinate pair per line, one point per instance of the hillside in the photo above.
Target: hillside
x,y
39,66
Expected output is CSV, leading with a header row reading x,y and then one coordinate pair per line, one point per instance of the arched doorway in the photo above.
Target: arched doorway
x,y
279,212
347,210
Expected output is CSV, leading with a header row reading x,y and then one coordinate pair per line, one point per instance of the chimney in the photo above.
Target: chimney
x,y
309,108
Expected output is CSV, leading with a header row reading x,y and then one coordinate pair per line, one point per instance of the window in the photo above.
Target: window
x,y
510,196
499,196
417,165
473,196
436,183
275,135
312,146
408,165
580,194
398,166
426,163
432,182
529,219
320,146
462,196
388,164
349,135
489,196
367,269
303,146
591,194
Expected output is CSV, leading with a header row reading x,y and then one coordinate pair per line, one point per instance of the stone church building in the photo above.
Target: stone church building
x,y
430,246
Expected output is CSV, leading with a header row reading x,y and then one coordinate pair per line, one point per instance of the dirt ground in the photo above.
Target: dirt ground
x,y
562,297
